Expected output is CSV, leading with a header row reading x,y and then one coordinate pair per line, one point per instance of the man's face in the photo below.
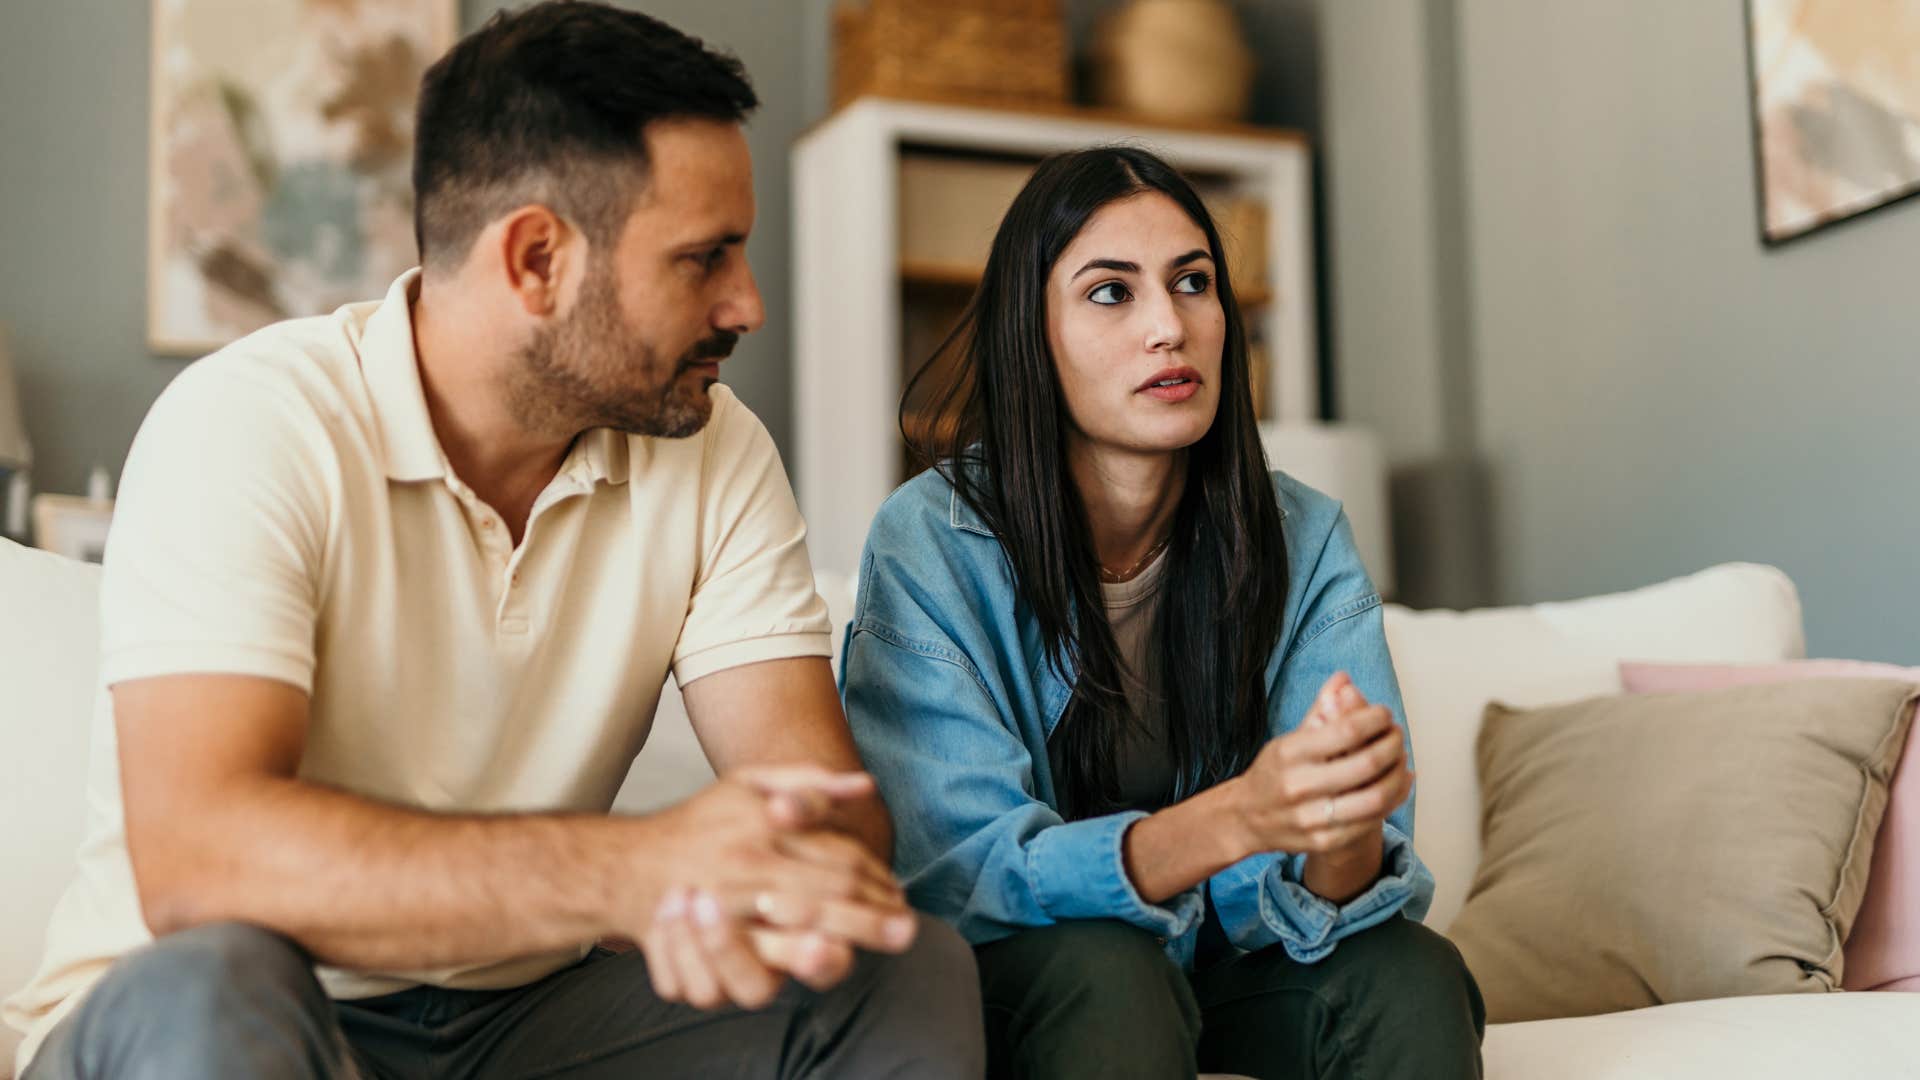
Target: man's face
x,y
656,314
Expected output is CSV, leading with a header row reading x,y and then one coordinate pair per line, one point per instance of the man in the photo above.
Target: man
x,y
388,606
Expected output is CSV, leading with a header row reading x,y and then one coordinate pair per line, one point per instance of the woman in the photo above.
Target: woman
x,y
1098,666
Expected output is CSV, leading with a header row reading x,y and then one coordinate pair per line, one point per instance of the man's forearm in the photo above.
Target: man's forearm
x,y
364,885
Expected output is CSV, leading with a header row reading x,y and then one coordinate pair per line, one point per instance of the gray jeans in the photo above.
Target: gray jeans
x,y
231,1000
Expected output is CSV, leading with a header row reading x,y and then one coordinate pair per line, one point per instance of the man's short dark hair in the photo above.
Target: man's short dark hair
x,y
550,104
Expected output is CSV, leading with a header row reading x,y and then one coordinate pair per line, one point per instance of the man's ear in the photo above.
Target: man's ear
x,y
538,253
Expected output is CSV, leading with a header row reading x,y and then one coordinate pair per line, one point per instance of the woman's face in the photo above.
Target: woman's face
x,y
1136,327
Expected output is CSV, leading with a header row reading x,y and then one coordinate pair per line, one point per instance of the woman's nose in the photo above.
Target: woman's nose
x,y
1165,330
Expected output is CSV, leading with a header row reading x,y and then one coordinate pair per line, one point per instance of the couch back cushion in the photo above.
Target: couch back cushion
x,y
49,638
1884,951
1452,664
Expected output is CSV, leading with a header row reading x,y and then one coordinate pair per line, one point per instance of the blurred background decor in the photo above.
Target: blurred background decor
x,y
1347,462
1172,60
1836,107
16,453
72,525
989,51
280,147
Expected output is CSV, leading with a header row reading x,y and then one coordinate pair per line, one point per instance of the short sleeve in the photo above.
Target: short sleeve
x,y
753,597
214,551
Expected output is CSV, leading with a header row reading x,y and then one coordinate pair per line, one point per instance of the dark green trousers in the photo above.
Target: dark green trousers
x,y
1101,1000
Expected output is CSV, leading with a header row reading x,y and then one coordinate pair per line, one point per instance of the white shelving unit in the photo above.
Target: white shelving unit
x,y
848,291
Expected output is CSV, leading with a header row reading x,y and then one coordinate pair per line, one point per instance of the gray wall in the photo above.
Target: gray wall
x,y
73,214
73,181
1654,390
1647,389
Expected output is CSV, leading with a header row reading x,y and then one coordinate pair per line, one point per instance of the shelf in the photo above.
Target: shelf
x,y
927,274
1087,114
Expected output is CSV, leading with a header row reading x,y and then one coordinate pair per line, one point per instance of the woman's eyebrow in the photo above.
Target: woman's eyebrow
x,y
1125,267
1106,264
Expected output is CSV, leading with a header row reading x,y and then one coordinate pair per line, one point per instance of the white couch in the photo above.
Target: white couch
x,y
1450,665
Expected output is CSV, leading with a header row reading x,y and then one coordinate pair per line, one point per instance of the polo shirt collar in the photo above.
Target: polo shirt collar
x,y
409,445
600,456
392,370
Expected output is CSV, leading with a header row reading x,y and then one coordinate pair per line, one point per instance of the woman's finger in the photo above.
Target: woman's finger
x,y
1375,802
1340,735
1325,702
1349,772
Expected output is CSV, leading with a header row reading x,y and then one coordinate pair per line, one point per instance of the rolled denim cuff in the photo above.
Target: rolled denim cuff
x,y
1263,901
1079,871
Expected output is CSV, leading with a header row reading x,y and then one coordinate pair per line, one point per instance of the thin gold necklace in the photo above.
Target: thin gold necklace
x,y
1111,578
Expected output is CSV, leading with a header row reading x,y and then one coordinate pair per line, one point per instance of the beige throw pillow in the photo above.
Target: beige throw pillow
x,y
1674,847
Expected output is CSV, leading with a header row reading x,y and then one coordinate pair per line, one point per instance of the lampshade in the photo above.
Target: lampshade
x,y
1347,463
15,451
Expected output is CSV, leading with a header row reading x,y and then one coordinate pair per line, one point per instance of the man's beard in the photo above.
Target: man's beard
x,y
579,373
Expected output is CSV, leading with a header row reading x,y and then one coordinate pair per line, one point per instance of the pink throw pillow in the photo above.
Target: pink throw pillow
x,y
1883,951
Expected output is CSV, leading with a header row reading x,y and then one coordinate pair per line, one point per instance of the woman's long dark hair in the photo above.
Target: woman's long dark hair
x,y
988,412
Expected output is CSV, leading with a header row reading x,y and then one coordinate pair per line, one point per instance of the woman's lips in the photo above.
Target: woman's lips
x,y
1172,384
1176,392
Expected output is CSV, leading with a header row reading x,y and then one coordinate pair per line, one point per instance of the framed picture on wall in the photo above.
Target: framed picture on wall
x,y
280,152
1835,86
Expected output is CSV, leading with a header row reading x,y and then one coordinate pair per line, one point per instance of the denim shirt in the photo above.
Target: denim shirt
x,y
951,700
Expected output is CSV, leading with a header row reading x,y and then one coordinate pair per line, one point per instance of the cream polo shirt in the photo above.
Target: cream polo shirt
x,y
287,512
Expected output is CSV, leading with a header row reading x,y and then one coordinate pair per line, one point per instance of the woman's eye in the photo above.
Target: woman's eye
x,y
1111,293
1195,282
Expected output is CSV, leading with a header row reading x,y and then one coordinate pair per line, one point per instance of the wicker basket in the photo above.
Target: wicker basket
x,y
1172,60
992,51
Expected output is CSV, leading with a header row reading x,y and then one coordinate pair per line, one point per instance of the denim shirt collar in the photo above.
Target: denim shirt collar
x,y
962,515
